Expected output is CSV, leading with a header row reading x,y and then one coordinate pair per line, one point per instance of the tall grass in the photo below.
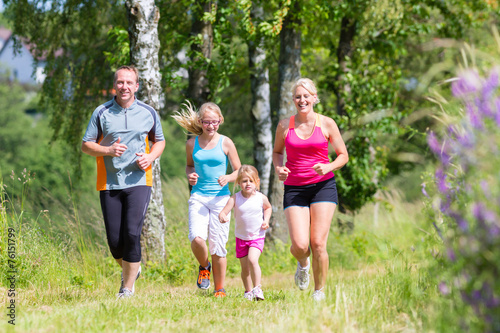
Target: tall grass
x,y
376,282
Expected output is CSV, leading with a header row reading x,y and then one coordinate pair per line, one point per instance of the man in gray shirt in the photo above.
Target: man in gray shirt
x,y
125,136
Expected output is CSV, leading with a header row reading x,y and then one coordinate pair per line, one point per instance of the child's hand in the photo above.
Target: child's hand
x,y
265,225
223,218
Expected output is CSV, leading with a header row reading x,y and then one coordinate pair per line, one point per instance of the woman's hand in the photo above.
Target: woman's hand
x,y
223,180
282,172
322,169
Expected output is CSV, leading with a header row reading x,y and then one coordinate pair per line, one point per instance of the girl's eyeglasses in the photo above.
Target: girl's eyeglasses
x,y
208,122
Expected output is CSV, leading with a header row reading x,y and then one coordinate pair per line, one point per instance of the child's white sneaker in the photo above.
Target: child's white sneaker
x,y
258,293
248,295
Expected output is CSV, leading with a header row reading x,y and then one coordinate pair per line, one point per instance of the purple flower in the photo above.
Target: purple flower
x,y
445,205
468,82
451,254
441,181
461,222
433,143
490,84
466,139
478,211
474,117
444,289
494,231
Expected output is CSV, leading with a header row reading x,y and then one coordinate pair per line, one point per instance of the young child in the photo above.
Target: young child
x,y
207,157
252,213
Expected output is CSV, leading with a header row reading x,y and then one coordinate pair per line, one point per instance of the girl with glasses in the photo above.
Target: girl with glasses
x,y
207,157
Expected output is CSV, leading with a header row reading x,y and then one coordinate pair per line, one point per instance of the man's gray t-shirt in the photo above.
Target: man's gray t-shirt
x,y
136,127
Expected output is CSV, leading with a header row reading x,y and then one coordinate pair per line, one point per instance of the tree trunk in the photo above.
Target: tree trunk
x,y
344,50
198,88
261,104
289,72
143,18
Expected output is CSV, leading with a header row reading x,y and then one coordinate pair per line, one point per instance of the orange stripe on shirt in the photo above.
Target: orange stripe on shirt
x,y
149,169
101,171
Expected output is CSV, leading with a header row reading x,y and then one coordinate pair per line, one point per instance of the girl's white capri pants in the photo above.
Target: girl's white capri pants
x,y
204,222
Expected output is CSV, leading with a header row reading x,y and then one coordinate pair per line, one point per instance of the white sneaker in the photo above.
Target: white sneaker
x,y
302,276
248,295
133,287
125,293
258,293
318,295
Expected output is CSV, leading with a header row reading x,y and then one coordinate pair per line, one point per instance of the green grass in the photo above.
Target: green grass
x,y
379,280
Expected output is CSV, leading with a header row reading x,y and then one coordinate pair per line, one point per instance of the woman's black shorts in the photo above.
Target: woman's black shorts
x,y
305,195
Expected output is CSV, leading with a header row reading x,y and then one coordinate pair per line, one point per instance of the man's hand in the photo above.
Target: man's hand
x,y
144,160
117,149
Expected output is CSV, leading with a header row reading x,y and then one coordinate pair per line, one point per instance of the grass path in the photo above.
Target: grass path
x,y
368,299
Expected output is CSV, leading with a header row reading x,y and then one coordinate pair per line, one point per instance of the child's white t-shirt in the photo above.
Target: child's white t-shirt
x,y
249,216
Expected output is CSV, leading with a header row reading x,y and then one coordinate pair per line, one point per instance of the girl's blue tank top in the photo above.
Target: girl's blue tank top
x,y
210,165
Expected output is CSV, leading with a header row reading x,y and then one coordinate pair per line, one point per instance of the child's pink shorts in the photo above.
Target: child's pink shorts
x,y
242,246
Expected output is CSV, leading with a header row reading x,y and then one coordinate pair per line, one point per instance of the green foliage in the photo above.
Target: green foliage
x,y
119,53
71,37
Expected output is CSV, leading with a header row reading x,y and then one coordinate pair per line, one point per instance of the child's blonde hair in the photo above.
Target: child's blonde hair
x,y
190,119
251,172
308,85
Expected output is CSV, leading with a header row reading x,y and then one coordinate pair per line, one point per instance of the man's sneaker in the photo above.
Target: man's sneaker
x,y
302,276
203,281
133,287
220,293
258,293
125,292
248,295
318,295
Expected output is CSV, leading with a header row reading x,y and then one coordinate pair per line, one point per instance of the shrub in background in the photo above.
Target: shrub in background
x,y
467,193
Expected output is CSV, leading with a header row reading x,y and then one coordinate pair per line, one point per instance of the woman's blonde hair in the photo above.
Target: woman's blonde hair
x,y
190,119
308,85
251,172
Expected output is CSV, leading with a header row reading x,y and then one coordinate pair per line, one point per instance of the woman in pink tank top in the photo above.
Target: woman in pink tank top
x,y
310,196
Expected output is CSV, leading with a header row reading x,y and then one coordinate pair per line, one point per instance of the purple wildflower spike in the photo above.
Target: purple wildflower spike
x,y
461,222
433,142
441,181
468,82
490,84
474,116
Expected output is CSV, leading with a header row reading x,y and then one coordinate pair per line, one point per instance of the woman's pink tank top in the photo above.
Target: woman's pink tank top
x,y
302,155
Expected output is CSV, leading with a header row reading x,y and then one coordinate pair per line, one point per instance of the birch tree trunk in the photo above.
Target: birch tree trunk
x,y
198,88
143,16
289,72
261,104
